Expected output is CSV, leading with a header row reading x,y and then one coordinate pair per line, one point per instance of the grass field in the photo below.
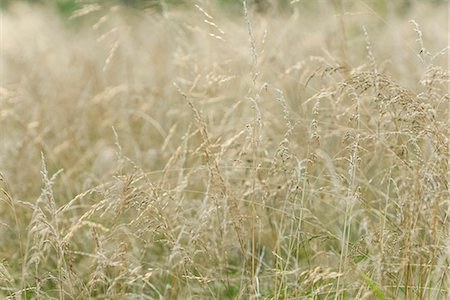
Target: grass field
x,y
213,151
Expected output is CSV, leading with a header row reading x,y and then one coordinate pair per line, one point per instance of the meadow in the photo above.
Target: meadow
x,y
205,150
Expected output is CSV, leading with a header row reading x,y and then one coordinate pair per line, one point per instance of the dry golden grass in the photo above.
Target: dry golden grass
x,y
204,154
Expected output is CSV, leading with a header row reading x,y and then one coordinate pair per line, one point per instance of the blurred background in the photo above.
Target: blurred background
x,y
66,7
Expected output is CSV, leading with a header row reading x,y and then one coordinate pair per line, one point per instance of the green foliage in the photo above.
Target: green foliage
x,y
373,286
66,7
231,292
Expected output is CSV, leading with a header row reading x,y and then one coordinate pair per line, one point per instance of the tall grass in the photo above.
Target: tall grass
x,y
202,154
